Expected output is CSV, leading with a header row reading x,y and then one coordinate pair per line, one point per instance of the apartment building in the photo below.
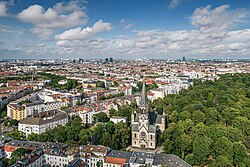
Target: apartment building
x,y
40,122
93,155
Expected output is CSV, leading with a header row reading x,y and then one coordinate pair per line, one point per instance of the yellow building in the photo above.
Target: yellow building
x,y
15,111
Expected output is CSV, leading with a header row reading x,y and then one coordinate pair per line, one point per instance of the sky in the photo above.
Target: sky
x,y
128,29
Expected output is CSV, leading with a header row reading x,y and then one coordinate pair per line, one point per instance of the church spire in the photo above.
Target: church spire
x,y
144,95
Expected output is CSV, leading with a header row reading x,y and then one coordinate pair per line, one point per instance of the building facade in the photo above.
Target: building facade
x,y
39,123
146,124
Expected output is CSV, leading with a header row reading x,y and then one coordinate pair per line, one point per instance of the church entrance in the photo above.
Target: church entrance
x,y
142,146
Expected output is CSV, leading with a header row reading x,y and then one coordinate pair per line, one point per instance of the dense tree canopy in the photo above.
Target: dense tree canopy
x,y
115,136
54,79
100,117
210,122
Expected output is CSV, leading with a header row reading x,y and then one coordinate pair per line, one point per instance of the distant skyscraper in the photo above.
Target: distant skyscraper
x,y
183,58
111,60
80,61
106,60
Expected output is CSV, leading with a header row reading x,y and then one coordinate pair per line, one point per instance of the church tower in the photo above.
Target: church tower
x,y
144,107
145,124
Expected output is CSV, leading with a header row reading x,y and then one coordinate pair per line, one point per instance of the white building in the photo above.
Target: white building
x,y
62,82
39,123
117,119
93,155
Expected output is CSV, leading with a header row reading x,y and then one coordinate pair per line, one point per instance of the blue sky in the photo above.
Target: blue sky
x,y
125,29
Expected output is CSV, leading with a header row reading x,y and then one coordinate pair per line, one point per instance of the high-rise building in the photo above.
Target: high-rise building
x,y
146,124
183,58
106,60
80,60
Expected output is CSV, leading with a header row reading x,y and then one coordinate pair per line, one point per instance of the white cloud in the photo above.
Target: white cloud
x,y
174,3
80,34
214,37
3,9
43,33
61,15
126,24
216,21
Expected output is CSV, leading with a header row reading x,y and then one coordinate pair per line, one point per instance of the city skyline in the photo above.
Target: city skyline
x,y
124,29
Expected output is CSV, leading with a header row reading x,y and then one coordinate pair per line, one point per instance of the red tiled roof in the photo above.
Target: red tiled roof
x,y
112,160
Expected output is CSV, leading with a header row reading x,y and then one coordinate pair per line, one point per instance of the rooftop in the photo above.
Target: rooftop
x,y
44,117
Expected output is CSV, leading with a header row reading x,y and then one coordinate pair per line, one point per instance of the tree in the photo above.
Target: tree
x,y
73,128
239,154
78,103
4,162
13,122
201,149
16,135
17,154
184,115
124,111
221,161
224,147
102,98
85,136
211,115
242,123
97,134
184,143
121,136
32,137
198,116
60,134
3,114
100,117
210,99
46,137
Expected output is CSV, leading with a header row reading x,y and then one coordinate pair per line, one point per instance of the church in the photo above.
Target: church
x,y
146,124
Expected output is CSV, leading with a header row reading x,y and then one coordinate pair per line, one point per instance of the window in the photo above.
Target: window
x,y
135,135
151,137
135,142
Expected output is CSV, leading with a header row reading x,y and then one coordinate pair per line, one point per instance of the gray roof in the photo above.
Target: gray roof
x,y
141,157
25,144
44,117
34,103
120,154
169,160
